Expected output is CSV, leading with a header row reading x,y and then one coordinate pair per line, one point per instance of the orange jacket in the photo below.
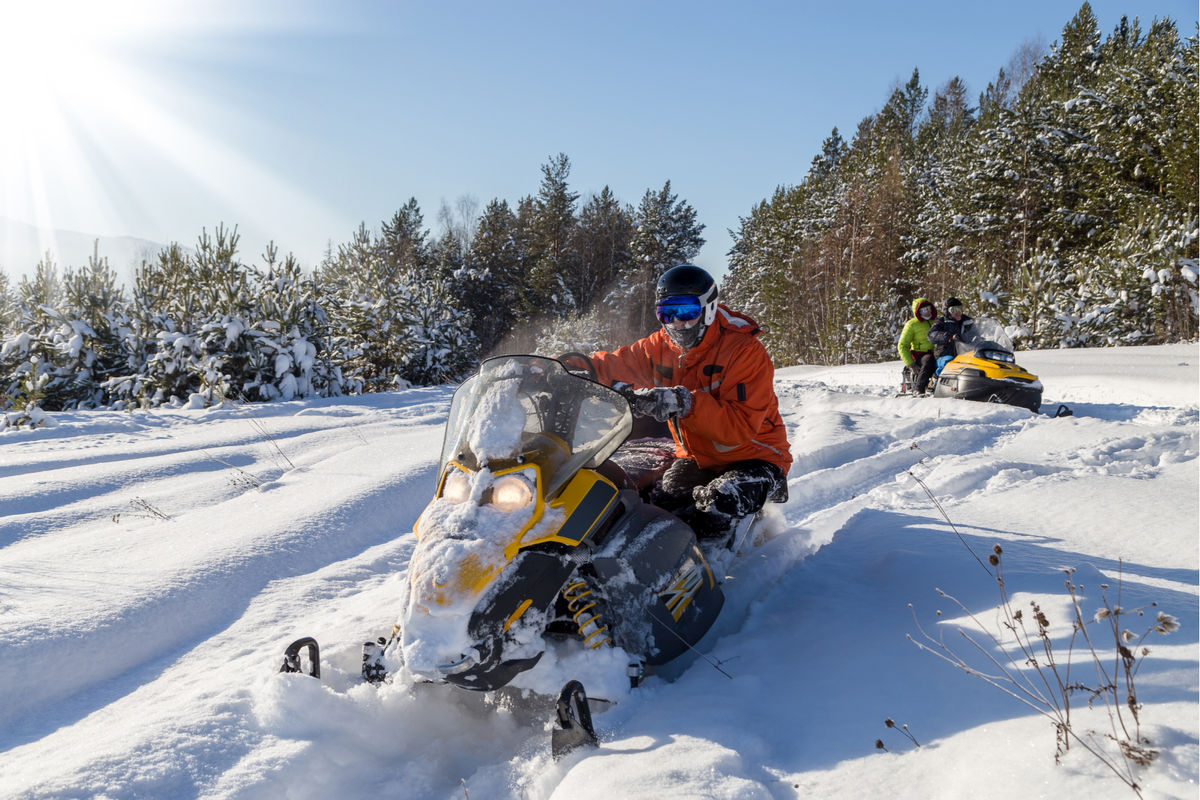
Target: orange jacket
x,y
735,414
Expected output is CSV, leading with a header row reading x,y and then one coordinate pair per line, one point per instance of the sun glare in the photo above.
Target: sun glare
x,y
60,72
109,122
47,45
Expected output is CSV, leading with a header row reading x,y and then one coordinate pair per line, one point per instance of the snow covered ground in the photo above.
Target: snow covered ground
x,y
153,566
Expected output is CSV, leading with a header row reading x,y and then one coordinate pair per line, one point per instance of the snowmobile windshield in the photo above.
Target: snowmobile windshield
x,y
516,404
986,338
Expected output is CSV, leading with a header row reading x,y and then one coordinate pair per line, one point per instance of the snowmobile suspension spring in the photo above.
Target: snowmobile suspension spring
x,y
587,615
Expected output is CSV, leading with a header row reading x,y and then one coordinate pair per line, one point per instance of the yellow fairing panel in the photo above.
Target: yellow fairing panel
x,y
585,502
997,370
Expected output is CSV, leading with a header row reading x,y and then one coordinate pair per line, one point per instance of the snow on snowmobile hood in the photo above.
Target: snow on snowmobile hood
x,y
462,545
517,432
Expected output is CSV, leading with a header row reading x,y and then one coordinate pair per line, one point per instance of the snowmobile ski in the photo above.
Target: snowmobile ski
x,y
374,670
573,721
291,657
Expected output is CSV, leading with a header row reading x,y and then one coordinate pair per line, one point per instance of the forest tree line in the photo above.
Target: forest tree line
x,y
1064,203
387,309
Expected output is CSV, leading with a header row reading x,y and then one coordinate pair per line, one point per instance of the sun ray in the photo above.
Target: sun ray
x,y
103,131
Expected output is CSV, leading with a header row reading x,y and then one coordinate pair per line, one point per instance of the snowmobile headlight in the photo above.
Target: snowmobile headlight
x,y
511,492
457,486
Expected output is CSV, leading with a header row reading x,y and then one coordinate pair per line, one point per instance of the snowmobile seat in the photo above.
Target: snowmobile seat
x,y
643,461
619,477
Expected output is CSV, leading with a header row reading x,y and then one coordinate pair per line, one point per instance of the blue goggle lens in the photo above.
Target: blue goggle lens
x,y
670,309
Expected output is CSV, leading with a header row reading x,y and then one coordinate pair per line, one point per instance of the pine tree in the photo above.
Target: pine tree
x,y
442,346
366,297
553,258
490,290
601,244
1133,289
31,380
132,384
44,288
768,265
291,334
1074,59
8,306
530,315
941,167
665,234
94,308
402,243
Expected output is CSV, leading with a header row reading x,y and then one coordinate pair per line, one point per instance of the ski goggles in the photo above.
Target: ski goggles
x,y
685,308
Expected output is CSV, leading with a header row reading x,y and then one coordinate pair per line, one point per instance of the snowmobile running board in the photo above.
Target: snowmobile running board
x,y
291,657
574,721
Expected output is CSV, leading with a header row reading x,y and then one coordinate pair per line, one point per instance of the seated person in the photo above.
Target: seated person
x,y
916,351
705,373
946,331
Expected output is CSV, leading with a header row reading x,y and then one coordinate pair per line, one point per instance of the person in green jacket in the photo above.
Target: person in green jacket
x,y
915,348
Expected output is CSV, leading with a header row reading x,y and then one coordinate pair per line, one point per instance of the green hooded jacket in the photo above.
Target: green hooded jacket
x,y
915,336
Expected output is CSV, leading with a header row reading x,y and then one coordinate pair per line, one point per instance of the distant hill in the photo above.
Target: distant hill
x,y
22,246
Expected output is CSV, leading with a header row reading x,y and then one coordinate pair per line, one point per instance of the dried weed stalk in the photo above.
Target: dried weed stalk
x,y
1023,662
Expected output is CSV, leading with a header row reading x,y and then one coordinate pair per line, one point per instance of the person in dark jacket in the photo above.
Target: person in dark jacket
x,y
948,330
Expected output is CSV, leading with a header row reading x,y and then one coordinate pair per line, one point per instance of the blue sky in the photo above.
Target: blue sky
x,y
297,121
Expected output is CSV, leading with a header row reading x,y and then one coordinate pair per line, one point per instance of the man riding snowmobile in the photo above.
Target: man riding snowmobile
x,y
539,529
706,374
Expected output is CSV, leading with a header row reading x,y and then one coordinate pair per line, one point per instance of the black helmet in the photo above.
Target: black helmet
x,y
690,280
951,302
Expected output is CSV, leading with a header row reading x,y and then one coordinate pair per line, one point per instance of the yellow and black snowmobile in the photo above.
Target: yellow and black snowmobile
x,y
985,369
534,530
537,532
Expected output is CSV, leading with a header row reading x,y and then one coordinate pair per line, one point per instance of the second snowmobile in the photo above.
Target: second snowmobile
x,y
985,369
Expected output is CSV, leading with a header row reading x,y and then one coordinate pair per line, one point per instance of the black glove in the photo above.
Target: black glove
x,y
661,403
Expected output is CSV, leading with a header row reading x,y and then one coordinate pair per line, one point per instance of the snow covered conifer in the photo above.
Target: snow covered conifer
x,y
665,234
441,347
366,293
93,308
290,332
552,255
489,288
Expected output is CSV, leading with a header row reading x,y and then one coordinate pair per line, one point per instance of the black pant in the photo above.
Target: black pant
x,y
923,371
709,499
